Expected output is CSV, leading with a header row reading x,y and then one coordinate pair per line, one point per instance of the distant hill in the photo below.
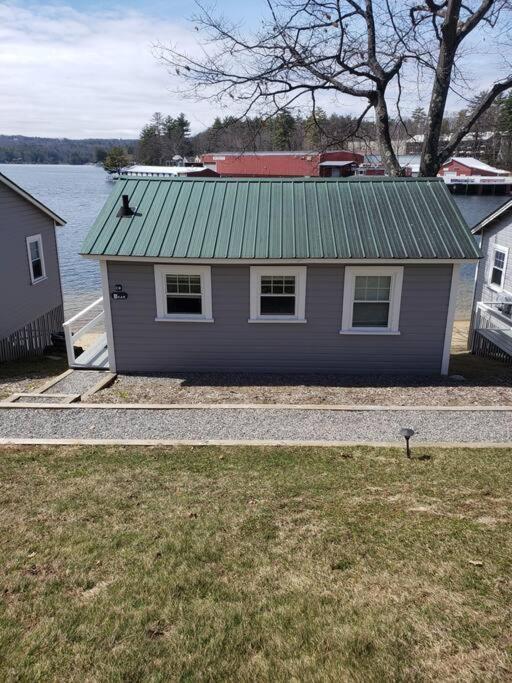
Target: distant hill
x,y
31,150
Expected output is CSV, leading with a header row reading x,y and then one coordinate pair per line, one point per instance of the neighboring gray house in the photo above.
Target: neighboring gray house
x,y
491,323
31,307
280,275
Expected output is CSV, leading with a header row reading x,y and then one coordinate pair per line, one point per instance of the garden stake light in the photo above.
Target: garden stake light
x,y
407,433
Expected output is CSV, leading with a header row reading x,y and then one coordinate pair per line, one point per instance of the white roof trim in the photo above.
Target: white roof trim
x,y
336,163
35,202
161,170
492,217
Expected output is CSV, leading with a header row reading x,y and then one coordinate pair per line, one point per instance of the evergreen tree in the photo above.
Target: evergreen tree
x,y
418,121
314,127
115,160
150,149
282,131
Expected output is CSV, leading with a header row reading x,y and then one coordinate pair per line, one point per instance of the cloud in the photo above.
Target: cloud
x,y
68,72
71,73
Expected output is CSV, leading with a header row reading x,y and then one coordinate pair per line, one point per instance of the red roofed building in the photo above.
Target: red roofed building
x,y
278,164
464,166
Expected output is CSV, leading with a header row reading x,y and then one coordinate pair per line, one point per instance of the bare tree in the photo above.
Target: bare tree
x,y
364,49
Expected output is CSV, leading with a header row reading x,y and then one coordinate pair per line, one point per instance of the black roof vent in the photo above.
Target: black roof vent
x,y
126,209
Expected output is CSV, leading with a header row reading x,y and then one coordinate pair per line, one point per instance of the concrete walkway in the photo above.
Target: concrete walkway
x,y
269,424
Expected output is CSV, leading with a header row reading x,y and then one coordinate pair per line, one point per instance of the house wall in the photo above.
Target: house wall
x,y
233,344
22,301
499,233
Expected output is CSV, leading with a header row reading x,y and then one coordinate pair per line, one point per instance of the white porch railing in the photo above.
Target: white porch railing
x,y
487,317
73,337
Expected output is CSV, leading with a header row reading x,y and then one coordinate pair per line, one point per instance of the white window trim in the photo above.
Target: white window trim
x,y
299,272
397,274
39,240
491,285
161,293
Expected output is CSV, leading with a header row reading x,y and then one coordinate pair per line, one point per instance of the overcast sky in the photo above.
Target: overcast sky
x,y
75,69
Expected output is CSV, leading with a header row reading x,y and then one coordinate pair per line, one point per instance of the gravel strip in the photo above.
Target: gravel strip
x,y
249,424
76,382
310,389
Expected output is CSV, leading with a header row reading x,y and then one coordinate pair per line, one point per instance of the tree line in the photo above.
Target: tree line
x,y
166,140
34,150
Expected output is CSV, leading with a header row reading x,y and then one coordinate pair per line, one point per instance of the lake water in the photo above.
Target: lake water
x,y
77,193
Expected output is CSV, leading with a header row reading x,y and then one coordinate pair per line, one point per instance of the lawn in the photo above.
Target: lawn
x,y
209,564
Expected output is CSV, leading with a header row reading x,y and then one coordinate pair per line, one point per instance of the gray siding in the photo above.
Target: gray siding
x,y
233,344
500,233
21,301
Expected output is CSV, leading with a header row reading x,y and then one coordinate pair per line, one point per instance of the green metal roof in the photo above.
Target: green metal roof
x,y
274,218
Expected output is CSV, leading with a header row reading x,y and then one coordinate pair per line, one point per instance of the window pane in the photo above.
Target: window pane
x,y
195,284
191,305
499,259
183,284
277,284
370,315
277,305
266,285
496,276
37,269
372,288
34,251
172,284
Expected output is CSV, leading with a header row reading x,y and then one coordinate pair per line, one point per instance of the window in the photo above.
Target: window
x,y
36,258
183,293
278,294
498,267
371,300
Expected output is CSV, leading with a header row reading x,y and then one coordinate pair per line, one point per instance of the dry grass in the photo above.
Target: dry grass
x,y
28,375
247,564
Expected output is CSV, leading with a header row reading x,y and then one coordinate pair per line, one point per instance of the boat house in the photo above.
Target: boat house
x,y
31,308
280,275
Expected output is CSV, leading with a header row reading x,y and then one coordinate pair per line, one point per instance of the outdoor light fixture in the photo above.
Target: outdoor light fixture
x,y
407,433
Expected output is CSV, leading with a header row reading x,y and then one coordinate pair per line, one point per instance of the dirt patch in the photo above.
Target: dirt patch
x,y
307,389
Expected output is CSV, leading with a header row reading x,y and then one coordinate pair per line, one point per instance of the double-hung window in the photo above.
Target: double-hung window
x,y
371,300
498,267
183,293
278,294
36,258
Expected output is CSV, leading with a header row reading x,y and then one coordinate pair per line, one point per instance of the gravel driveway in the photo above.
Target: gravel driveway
x,y
251,424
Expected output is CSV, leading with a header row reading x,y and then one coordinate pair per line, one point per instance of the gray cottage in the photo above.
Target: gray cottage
x,y
31,307
280,275
491,323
